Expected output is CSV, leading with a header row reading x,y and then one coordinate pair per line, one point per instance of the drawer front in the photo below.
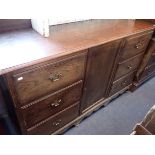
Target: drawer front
x,y
135,45
148,71
51,105
152,60
52,124
36,83
122,83
153,40
128,66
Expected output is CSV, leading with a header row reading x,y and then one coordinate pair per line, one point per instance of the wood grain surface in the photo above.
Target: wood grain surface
x,y
26,47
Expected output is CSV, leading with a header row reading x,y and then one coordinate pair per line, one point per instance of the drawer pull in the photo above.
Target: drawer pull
x,y
55,77
56,123
20,78
56,103
129,67
138,45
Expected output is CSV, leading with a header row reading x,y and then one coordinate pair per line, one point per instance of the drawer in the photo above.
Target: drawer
x,y
153,40
128,66
148,71
152,60
52,124
33,84
135,45
51,105
122,83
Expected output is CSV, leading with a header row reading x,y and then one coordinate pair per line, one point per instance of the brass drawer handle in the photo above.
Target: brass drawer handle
x,y
56,103
129,67
56,123
55,77
138,45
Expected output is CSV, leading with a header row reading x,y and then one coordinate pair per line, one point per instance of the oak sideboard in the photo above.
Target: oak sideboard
x,y
51,84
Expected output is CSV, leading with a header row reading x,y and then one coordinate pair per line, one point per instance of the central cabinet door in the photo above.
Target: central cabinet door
x,y
99,67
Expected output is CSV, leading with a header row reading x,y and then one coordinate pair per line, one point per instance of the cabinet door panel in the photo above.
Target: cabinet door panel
x,y
99,66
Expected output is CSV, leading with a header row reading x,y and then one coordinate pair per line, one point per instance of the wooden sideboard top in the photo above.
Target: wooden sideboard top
x,y
26,47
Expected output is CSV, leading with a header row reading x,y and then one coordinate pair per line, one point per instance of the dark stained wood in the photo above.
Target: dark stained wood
x,y
2,103
99,66
140,130
128,66
27,47
147,58
135,45
152,60
54,103
150,20
35,83
47,71
14,24
122,83
54,123
148,71
131,56
2,127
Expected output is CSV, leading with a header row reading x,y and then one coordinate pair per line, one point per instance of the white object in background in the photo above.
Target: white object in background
x,y
41,26
55,21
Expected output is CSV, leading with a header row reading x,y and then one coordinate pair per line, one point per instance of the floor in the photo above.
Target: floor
x,y
120,116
